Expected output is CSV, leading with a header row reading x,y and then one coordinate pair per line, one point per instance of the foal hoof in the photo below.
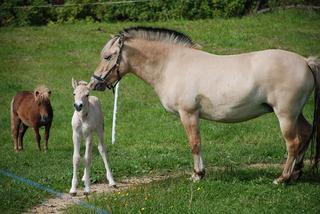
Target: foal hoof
x,y
114,186
73,194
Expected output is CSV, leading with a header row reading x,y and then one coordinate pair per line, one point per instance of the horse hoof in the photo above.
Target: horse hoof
x,y
296,175
86,193
281,180
73,194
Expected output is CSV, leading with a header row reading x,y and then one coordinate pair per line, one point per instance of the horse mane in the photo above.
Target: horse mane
x,y
42,93
159,34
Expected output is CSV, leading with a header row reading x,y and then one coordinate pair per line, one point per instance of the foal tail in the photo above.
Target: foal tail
x,y
314,65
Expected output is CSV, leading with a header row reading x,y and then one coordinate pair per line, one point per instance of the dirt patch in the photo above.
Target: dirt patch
x,y
59,204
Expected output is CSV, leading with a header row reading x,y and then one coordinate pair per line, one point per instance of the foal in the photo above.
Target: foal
x,y
86,119
31,109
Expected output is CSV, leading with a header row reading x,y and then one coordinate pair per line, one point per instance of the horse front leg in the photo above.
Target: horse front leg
x,y
46,136
87,163
190,122
38,137
76,159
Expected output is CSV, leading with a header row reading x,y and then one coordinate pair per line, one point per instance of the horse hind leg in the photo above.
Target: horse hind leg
x,y
15,125
304,132
22,130
289,129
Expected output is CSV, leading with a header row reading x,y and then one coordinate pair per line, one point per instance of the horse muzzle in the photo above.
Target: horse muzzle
x,y
78,107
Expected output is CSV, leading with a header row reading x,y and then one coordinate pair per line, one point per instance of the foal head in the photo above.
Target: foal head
x,y
42,95
81,94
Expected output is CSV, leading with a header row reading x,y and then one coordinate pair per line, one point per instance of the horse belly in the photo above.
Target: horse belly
x,y
230,113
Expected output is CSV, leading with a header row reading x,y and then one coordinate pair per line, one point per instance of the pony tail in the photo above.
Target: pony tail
x,y
314,65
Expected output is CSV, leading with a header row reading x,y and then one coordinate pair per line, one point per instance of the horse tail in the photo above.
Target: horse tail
x,y
314,65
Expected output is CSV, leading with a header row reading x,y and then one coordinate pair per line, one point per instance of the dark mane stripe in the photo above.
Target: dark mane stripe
x,y
159,34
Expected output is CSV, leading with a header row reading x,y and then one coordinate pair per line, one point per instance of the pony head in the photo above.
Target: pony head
x,y
42,97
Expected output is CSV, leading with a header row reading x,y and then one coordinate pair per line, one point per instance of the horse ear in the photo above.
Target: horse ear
x,y
74,83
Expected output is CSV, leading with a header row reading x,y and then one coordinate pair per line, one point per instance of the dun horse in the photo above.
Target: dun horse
x,y
232,88
31,109
87,118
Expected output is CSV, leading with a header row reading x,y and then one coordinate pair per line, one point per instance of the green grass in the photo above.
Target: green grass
x,y
149,140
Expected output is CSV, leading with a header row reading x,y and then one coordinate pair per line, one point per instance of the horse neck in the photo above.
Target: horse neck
x,y
147,59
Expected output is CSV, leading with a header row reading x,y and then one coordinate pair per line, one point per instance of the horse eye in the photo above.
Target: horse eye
x,y
108,57
73,94
87,95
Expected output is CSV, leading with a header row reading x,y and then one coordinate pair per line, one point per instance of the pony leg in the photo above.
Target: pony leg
x,y
190,122
76,160
289,131
38,137
15,125
103,153
22,130
87,162
46,136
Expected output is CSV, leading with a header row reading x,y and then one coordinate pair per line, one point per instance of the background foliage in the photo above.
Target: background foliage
x,y
28,12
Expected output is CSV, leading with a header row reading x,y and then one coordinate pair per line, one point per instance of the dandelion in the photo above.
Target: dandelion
x,y
199,188
127,194
142,209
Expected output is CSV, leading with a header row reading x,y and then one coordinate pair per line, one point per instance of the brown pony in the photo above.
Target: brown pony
x,y
31,109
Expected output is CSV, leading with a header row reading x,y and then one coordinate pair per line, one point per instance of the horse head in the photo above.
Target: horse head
x,y
81,94
42,97
109,71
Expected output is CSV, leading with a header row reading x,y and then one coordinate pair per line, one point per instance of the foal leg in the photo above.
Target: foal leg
x,y
76,160
22,130
46,136
87,162
289,131
38,137
103,153
190,122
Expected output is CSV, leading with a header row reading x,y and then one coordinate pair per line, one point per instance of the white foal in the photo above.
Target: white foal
x,y
86,119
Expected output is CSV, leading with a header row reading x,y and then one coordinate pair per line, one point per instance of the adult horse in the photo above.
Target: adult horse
x,y
231,88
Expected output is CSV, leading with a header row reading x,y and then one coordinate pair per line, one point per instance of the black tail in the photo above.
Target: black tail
x,y
314,65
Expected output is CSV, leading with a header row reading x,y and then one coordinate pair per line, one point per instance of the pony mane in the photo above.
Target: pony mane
x,y
43,93
159,34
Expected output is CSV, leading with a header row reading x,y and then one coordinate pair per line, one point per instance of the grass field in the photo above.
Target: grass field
x,y
149,140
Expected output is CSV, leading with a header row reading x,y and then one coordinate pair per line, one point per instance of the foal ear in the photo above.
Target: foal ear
x,y
74,83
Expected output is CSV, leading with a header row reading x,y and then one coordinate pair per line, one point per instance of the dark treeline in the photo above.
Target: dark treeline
x,y
40,12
